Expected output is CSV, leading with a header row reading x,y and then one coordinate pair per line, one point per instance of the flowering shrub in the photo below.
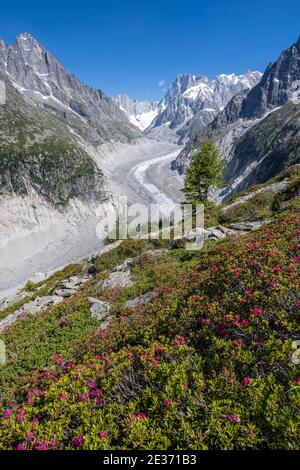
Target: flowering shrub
x,y
206,365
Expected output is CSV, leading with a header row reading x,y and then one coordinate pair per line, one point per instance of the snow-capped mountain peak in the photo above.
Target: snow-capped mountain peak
x,y
192,102
139,113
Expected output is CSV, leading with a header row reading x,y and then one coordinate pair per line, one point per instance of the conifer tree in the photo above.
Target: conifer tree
x,y
204,174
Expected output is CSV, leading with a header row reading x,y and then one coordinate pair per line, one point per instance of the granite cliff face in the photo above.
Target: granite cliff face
x,y
265,149
258,131
277,86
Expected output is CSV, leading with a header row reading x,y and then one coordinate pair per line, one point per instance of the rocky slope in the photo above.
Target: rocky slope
x,y
264,150
139,113
258,131
193,101
38,153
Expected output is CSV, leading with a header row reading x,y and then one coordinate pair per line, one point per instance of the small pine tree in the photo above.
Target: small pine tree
x,y
204,174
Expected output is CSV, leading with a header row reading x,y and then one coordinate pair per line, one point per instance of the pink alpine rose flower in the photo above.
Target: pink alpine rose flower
x,y
139,415
63,397
256,311
7,413
233,418
21,446
30,437
78,441
178,341
247,380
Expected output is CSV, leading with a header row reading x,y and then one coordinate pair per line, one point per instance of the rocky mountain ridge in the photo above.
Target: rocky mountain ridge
x,y
193,101
257,133
35,72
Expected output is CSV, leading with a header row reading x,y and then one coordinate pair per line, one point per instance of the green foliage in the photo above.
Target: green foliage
x,y
292,173
56,169
265,203
204,174
31,343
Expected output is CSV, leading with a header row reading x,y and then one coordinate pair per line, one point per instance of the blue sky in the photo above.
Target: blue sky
x,y
138,47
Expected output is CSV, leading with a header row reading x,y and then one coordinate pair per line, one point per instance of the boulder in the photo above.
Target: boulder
x,y
70,286
40,303
65,292
74,282
34,307
120,276
99,309
126,266
117,279
248,226
215,234
141,299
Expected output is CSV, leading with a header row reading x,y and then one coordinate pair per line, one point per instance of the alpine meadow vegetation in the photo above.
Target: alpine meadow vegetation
x,y
206,364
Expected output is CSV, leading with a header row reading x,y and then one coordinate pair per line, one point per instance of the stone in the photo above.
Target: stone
x,y
224,229
216,234
248,226
66,292
120,276
34,307
117,279
99,309
70,286
141,299
40,303
126,266
73,282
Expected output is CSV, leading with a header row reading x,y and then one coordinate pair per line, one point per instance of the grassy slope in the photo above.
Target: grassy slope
x,y
264,204
205,365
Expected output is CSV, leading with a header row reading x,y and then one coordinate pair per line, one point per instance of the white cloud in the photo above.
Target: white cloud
x,y
161,82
